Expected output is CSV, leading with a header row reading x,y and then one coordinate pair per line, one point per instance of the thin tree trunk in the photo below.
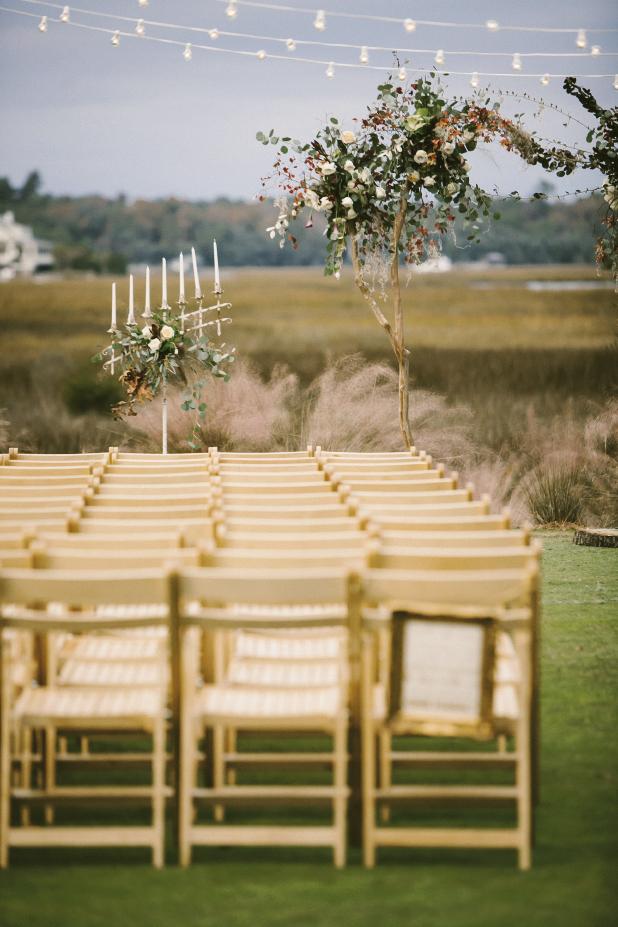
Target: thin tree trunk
x,y
396,335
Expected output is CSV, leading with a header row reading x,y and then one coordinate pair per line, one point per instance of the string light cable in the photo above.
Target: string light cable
x,y
409,24
292,44
116,34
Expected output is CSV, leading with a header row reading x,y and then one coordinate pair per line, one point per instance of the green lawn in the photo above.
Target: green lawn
x,y
575,860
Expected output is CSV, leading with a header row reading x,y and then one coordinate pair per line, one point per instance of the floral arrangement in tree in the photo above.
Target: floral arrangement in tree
x,y
603,157
391,189
160,353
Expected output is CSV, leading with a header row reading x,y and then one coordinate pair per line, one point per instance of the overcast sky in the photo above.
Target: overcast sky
x,y
138,119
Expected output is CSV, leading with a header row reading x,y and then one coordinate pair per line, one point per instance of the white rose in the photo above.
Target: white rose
x,y
167,332
448,148
347,201
349,166
414,176
413,123
467,166
154,345
327,168
312,198
468,135
351,185
452,188
325,204
347,137
421,157
380,193
351,214
429,181
147,331
365,175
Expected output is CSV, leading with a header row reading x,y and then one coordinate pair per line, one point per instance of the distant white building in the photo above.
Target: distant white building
x,y
21,254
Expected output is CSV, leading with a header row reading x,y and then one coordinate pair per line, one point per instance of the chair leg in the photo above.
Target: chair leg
x,y
187,781
218,768
230,746
524,753
385,747
50,769
24,739
340,809
158,793
368,758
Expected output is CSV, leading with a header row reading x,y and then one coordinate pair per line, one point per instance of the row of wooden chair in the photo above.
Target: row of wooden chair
x,y
349,608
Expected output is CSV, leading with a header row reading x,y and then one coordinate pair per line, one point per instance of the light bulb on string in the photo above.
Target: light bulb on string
x,y
474,79
142,2
364,55
65,16
409,25
492,25
595,50
330,70
231,10
402,75
140,27
616,82
516,62
187,52
290,45
115,40
43,24
261,54
545,80
581,41
319,22
439,59
213,33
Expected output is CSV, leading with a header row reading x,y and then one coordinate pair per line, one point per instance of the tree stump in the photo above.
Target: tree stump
x,y
596,537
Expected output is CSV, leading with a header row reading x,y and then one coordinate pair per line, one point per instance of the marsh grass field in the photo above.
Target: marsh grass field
x,y
509,364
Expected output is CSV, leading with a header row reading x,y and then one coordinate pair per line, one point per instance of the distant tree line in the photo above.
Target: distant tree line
x,y
101,234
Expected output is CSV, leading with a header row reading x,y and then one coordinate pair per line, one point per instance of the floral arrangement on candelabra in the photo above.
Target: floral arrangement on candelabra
x,y
169,347
392,188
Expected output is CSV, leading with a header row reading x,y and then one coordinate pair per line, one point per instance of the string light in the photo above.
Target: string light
x,y
140,27
581,40
595,50
364,55
65,16
616,82
475,80
260,55
43,24
402,75
492,25
215,34
516,63
545,80
439,59
409,25
231,10
187,53
116,39
319,22
142,2
330,70
290,44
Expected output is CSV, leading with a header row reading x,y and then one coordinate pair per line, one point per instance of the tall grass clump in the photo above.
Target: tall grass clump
x,y
553,494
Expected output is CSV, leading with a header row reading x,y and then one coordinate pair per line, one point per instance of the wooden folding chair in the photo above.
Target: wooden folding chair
x,y
442,683
106,600
229,599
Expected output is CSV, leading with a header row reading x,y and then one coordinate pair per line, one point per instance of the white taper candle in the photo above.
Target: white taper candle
x,y
181,272
163,283
216,259
113,325
147,312
131,315
196,277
